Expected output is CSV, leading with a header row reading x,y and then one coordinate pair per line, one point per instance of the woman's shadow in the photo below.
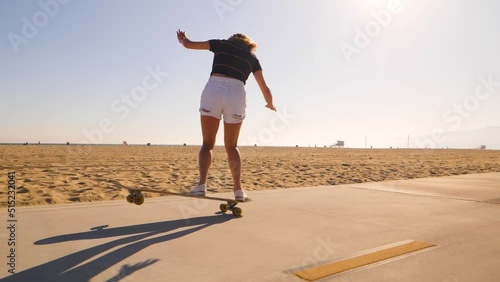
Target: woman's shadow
x,y
64,268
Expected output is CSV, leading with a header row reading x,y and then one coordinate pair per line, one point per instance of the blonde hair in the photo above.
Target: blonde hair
x,y
244,40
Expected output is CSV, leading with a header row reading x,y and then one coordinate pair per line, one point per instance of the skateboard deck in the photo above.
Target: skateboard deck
x,y
135,197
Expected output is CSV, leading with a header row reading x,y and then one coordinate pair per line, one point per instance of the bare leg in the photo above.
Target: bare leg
x,y
209,128
231,134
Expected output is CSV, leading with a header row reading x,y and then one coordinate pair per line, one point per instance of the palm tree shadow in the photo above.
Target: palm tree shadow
x,y
127,269
64,268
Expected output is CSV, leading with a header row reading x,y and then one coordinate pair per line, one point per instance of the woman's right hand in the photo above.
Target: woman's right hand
x,y
259,77
271,107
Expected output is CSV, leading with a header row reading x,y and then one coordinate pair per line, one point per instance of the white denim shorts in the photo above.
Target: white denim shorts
x,y
224,97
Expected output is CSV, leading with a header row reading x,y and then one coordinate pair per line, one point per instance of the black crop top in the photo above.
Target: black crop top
x,y
233,59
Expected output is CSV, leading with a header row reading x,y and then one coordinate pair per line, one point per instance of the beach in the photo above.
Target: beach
x,y
60,174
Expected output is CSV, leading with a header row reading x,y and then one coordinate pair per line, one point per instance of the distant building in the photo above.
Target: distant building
x,y
339,144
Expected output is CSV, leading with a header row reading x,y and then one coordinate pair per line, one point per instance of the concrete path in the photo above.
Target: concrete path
x,y
281,232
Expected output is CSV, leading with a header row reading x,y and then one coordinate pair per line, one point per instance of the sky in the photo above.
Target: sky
x,y
370,72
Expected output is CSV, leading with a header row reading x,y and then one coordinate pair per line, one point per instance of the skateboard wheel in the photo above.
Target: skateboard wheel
x,y
130,199
223,207
237,211
139,200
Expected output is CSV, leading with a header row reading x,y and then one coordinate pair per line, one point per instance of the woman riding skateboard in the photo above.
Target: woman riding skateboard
x,y
224,97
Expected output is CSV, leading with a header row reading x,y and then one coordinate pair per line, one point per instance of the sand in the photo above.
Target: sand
x,y
59,174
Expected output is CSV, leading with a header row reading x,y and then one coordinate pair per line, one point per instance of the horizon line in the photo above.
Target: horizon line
x,y
197,145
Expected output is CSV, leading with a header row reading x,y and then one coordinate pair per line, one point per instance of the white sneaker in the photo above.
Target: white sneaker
x,y
198,190
241,196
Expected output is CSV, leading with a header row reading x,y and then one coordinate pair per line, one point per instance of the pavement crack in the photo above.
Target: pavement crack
x,y
491,202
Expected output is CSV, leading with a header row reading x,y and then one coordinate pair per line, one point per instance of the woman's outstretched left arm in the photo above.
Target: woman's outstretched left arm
x,y
200,45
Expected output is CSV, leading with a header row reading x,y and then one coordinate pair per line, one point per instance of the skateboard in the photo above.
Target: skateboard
x,y
136,197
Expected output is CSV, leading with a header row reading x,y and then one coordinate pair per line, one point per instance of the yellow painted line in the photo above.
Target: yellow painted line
x,y
325,270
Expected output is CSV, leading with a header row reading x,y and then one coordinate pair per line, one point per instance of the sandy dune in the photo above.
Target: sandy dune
x,y
66,174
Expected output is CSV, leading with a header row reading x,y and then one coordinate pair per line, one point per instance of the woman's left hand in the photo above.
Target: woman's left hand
x,y
181,35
